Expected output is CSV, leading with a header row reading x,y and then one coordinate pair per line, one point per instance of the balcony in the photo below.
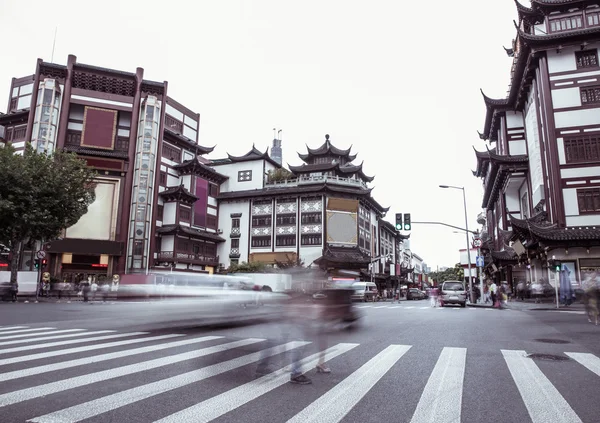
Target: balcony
x,y
189,258
308,180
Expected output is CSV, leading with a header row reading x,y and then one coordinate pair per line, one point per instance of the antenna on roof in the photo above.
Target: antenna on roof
x,y
53,45
279,134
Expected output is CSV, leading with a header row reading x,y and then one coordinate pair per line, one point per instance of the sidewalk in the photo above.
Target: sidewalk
x,y
532,305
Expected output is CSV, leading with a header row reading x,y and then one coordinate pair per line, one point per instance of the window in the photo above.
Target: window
x,y
21,97
138,248
261,221
185,214
162,179
310,218
183,245
73,138
524,206
590,95
235,222
171,153
235,243
582,149
211,221
159,212
213,190
312,239
286,220
586,58
285,241
566,24
588,200
261,242
593,19
244,175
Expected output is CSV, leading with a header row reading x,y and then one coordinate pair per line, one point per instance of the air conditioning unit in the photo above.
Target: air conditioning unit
x,y
219,231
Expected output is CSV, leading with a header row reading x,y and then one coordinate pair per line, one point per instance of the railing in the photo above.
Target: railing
x,y
187,258
173,124
234,253
235,233
307,180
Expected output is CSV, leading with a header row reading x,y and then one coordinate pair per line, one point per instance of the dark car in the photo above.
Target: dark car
x,y
415,294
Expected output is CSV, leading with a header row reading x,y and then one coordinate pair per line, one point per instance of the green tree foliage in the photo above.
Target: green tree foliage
x,y
40,196
455,273
278,175
245,267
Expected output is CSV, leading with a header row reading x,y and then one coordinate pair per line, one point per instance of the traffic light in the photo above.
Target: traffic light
x,y
557,266
398,221
44,263
407,221
36,263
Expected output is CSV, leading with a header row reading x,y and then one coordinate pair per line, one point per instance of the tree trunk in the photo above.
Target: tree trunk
x,y
15,252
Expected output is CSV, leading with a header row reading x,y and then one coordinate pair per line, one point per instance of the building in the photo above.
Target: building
x,y
319,213
540,171
155,197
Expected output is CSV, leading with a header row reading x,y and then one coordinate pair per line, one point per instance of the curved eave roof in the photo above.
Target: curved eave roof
x,y
483,158
20,116
326,148
179,193
528,13
253,154
194,166
197,233
306,168
540,230
356,169
494,108
186,142
559,38
502,167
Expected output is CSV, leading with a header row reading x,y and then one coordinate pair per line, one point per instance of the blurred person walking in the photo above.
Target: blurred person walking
x,y
591,297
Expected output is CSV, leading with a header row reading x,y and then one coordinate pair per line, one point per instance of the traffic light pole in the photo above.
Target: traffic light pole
x,y
450,226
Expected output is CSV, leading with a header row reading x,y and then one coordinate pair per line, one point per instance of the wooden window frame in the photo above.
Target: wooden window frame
x,y
261,242
182,214
285,240
235,222
562,23
590,95
175,155
311,240
242,177
587,197
160,210
162,179
235,243
582,149
586,59
213,190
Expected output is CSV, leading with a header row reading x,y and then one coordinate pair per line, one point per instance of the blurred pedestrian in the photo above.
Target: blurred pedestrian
x,y
591,297
433,297
14,290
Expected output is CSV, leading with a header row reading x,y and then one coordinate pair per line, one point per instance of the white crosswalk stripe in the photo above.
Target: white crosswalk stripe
x,y
441,398
45,338
4,332
21,335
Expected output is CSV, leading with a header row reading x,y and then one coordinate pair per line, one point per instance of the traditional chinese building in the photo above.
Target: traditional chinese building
x,y
322,213
155,196
541,169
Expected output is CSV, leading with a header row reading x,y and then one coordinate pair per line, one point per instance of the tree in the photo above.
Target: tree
x,y
455,273
40,196
245,267
278,175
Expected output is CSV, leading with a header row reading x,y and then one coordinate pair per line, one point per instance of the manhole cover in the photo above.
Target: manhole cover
x,y
548,357
553,341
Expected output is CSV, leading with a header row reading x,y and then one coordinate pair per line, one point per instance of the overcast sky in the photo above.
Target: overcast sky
x,y
397,80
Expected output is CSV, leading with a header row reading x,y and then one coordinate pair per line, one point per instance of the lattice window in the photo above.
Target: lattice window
x,y
104,84
310,218
586,58
582,149
286,220
312,239
593,19
235,222
183,245
213,190
19,133
171,153
588,200
73,138
162,179
261,221
244,175
122,144
285,241
566,24
211,221
235,243
261,242
185,214
590,95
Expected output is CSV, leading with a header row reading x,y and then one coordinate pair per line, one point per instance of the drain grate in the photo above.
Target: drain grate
x,y
553,341
548,357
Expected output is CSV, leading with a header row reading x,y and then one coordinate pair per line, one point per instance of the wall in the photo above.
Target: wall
x,y
232,169
226,208
533,144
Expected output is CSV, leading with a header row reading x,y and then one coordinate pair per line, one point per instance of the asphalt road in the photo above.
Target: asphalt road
x,y
154,362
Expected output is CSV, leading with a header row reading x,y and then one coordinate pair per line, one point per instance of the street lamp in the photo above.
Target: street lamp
x,y
467,235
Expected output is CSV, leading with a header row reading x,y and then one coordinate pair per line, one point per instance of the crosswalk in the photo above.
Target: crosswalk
x,y
44,370
410,307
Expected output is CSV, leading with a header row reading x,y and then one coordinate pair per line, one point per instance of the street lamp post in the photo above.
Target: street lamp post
x,y
467,236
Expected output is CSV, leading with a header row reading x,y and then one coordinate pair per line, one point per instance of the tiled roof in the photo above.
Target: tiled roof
x,y
97,152
186,142
543,230
253,154
179,192
14,117
195,166
343,169
551,39
326,148
174,229
344,255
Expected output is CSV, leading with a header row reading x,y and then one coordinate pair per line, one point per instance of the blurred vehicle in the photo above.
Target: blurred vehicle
x,y
364,291
425,294
414,294
453,292
336,306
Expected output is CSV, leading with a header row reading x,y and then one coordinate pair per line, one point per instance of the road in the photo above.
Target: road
x,y
136,362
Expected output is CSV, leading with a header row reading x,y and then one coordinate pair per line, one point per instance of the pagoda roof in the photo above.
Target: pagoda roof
x,y
253,154
16,117
325,187
549,40
347,169
178,193
491,156
179,139
352,257
327,148
196,167
192,232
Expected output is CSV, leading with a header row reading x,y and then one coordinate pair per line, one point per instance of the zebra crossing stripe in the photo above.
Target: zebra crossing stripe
x,y
2,329
120,399
381,307
543,401
442,397
409,307
71,341
590,361
4,332
69,335
396,307
44,368
219,405
87,379
333,406
25,335
424,308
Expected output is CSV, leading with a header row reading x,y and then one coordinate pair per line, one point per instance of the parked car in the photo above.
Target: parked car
x,y
415,294
453,292
364,291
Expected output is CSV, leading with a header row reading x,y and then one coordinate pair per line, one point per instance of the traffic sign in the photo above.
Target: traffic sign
x,y
479,261
476,242
41,254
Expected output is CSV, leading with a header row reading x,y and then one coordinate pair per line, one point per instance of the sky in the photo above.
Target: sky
x,y
399,81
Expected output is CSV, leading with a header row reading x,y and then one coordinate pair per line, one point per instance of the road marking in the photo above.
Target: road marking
x,y
2,329
381,307
99,358
396,307
442,397
71,341
343,397
423,308
543,401
363,306
120,399
567,311
75,350
87,379
409,307
70,335
590,361
10,331
25,335
219,405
